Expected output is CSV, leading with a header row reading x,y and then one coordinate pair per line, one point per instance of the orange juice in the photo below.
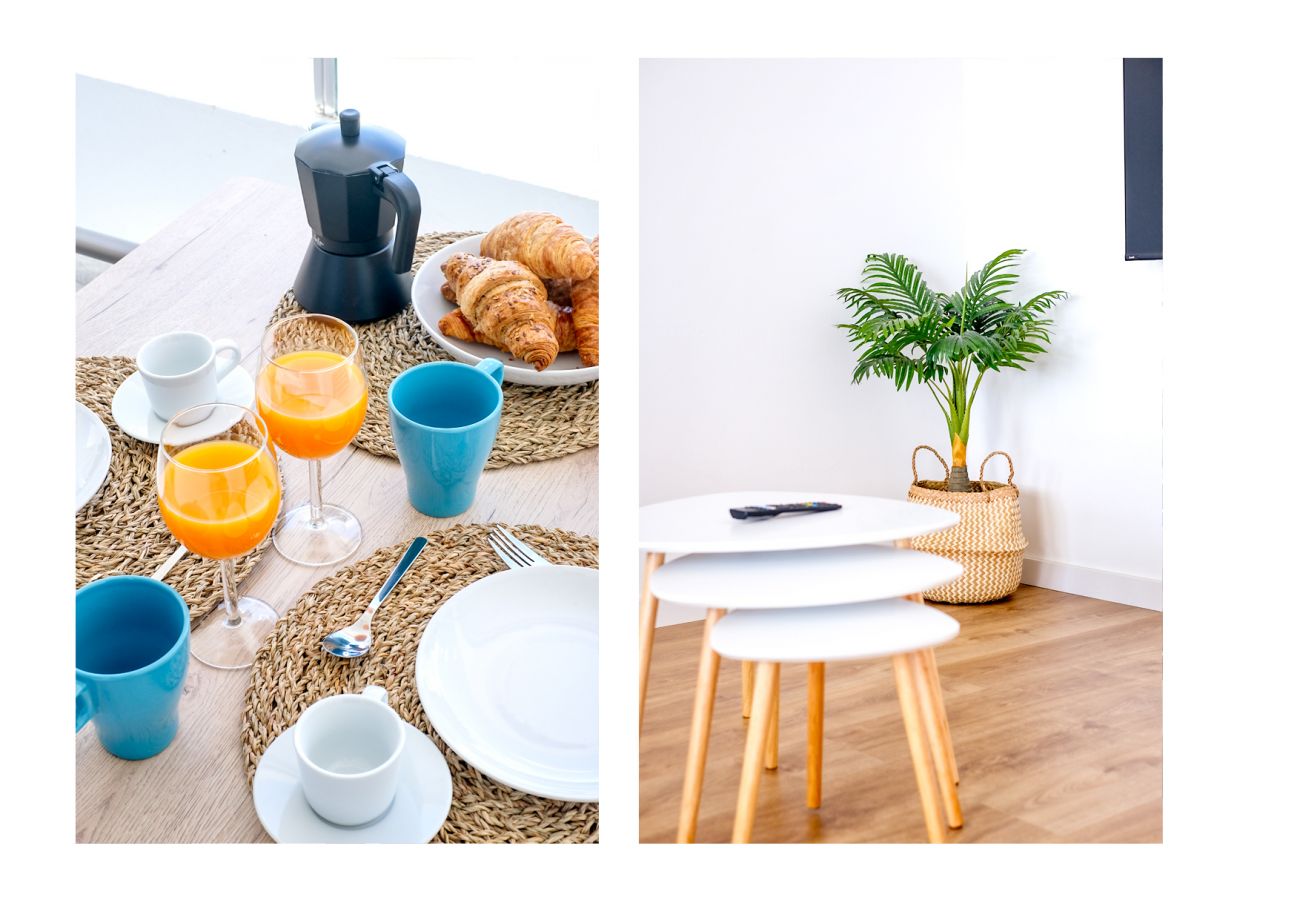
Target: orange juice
x,y
220,498
312,405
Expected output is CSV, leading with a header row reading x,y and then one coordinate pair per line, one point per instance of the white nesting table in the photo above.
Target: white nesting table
x,y
702,524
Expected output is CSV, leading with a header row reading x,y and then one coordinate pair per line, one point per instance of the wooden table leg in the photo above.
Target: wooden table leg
x,y
706,685
932,684
649,613
746,687
919,747
774,729
925,695
765,690
940,712
816,711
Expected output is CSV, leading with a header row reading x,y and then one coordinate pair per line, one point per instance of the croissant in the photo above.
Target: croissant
x,y
557,291
586,312
542,242
507,304
455,325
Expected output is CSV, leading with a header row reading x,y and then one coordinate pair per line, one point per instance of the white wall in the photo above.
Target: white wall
x,y
446,109
144,158
763,186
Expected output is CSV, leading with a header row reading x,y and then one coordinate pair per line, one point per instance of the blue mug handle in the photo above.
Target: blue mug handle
x,y
492,367
85,706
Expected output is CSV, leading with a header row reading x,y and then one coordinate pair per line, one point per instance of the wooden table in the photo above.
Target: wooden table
x,y
220,269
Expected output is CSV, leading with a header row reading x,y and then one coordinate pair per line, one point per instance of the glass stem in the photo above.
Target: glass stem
x,y
229,592
313,489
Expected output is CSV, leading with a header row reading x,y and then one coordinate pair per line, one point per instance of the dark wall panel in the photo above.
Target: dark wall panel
x,y
1143,167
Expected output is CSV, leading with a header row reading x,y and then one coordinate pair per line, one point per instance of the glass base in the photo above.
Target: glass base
x,y
217,643
333,539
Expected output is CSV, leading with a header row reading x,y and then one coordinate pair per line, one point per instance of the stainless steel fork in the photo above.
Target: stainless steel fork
x,y
514,552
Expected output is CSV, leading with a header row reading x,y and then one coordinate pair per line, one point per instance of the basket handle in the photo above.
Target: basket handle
x,y
1011,467
916,479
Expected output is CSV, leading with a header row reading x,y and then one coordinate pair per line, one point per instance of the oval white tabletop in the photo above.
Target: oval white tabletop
x,y
830,633
703,524
791,578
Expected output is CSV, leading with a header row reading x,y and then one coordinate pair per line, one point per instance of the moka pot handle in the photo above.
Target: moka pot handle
x,y
399,190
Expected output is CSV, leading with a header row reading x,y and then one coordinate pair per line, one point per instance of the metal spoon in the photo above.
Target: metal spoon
x,y
355,640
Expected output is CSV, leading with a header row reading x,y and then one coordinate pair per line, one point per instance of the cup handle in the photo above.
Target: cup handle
x,y
375,692
492,367
225,366
85,706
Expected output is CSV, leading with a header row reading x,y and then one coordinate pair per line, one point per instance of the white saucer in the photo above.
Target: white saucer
x,y
94,450
418,811
134,415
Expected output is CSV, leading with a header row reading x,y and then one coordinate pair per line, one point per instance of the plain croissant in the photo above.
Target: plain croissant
x,y
455,325
544,243
506,303
586,312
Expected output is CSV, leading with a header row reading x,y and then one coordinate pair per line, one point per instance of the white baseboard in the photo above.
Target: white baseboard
x,y
1116,587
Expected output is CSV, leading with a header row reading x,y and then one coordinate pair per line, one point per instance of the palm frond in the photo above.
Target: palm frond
x,y
896,284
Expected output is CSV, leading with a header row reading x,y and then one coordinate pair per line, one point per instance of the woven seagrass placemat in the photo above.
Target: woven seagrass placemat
x,y
291,672
536,422
121,531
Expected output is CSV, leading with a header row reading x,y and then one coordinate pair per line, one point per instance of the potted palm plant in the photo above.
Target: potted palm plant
x,y
910,334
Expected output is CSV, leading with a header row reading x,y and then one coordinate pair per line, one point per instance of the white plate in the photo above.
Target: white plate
x,y
94,450
418,811
507,674
427,299
134,415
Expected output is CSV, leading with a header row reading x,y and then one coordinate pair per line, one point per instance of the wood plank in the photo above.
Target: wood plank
x,y
220,269
1054,703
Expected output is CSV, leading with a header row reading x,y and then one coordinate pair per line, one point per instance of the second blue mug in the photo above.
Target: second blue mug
x,y
133,648
445,417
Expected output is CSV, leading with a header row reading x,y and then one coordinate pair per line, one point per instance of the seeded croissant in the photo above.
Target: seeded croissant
x,y
455,325
557,291
544,243
506,303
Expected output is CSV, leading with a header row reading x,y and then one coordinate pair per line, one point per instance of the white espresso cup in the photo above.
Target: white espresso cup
x,y
349,749
181,369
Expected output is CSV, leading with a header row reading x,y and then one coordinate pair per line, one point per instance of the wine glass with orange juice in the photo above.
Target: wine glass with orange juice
x,y
312,393
219,495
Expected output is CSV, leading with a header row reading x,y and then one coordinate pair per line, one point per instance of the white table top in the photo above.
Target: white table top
x,y
830,633
792,578
703,524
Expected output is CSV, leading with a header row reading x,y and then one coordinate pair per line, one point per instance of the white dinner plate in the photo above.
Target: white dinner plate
x,y
427,299
94,450
507,674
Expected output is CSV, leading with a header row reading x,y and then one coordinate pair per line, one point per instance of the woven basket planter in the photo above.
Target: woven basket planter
x,y
988,542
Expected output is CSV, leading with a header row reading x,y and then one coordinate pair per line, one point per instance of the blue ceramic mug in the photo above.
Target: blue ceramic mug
x,y
133,647
445,417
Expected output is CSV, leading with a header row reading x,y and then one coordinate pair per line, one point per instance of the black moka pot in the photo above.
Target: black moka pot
x,y
358,267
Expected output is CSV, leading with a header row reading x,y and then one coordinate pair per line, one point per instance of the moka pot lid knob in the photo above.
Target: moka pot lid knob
x,y
347,148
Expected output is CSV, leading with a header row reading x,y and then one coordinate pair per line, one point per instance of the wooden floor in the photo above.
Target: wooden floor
x,y
1055,707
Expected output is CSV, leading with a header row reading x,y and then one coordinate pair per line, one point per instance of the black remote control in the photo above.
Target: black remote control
x,y
775,509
